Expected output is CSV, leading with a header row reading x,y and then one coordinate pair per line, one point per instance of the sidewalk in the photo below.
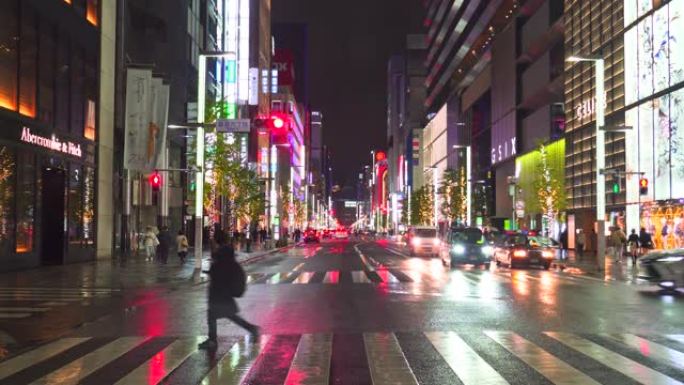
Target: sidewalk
x,y
587,265
123,272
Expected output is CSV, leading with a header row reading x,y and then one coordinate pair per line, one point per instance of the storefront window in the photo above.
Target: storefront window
x,y
91,12
7,179
9,31
89,206
26,202
46,104
28,61
75,205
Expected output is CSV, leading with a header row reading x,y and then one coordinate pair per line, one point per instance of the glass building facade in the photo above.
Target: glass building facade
x,y
48,105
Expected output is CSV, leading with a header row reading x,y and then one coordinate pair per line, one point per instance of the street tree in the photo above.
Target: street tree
x,y
549,187
453,195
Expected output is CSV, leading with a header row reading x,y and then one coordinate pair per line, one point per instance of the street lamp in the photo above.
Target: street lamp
x,y
600,152
468,182
199,159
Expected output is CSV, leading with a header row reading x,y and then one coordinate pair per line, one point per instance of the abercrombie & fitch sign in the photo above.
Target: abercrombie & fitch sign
x,y
52,143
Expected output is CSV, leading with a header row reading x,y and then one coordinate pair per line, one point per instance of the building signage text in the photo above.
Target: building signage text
x,y
503,151
52,143
587,107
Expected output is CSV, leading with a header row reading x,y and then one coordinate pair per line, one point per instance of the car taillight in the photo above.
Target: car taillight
x,y
520,253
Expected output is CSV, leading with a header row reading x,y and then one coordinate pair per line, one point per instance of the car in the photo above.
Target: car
x,y
519,249
341,234
664,268
326,233
423,240
311,236
466,246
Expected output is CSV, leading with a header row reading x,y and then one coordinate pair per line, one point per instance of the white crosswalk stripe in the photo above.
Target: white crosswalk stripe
x,y
84,366
542,361
235,365
388,360
47,298
170,358
470,368
613,360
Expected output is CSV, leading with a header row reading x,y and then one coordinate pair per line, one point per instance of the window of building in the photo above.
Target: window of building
x,y
9,31
26,202
91,12
77,84
28,58
46,74
75,205
62,85
7,202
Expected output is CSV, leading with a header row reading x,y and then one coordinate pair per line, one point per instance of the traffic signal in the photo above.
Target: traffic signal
x,y
155,181
616,188
270,123
643,186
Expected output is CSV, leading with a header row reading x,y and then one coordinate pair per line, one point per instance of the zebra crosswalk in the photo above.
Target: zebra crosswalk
x,y
471,358
24,302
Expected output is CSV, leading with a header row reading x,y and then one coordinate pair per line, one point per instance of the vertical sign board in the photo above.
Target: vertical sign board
x,y
138,91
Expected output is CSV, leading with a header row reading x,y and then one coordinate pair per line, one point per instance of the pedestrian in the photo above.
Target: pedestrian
x,y
617,241
564,244
645,241
633,246
297,235
151,242
164,244
182,246
581,241
227,282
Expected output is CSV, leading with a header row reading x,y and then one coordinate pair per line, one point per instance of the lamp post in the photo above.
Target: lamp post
x,y
600,153
199,159
469,188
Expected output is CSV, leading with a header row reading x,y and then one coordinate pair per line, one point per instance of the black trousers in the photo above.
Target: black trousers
x,y
222,311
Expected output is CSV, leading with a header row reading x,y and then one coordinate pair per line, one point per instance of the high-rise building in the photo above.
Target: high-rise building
x,y
56,93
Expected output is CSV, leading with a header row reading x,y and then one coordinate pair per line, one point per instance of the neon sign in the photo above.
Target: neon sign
x,y
52,143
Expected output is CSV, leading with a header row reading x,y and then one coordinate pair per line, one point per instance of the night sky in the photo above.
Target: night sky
x,y
350,42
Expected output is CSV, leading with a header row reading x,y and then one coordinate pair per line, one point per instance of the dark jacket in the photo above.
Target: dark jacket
x,y
164,239
633,239
224,269
645,240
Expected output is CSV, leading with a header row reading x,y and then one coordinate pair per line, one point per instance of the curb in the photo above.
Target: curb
x,y
261,256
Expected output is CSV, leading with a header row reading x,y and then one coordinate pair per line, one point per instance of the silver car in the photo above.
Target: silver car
x,y
664,268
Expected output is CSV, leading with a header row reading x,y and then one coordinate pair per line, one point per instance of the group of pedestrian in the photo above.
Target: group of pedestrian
x,y
635,244
157,245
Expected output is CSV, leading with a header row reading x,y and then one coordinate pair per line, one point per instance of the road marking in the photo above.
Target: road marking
x,y
88,364
304,277
154,370
613,360
470,368
386,361
332,277
650,349
26,360
20,296
311,362
539,359
235,365
396,252
363,259
23,309
14,315
676,337
360,277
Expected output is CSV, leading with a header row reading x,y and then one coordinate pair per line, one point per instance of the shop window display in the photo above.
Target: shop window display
x,y
75,205
26,202
7,202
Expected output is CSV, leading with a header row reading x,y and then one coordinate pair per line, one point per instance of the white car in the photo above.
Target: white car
x,y
664,268
341,234
424,241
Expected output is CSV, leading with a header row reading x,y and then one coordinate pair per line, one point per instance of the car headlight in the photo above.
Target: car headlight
x,y
670,259
459,249
487,250
547,254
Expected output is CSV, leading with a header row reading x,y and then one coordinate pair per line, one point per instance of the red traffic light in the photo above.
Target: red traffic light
x,y
643,186
155,181
277,122
380,156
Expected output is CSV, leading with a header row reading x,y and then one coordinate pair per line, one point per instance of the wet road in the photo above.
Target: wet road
x,y
357,312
